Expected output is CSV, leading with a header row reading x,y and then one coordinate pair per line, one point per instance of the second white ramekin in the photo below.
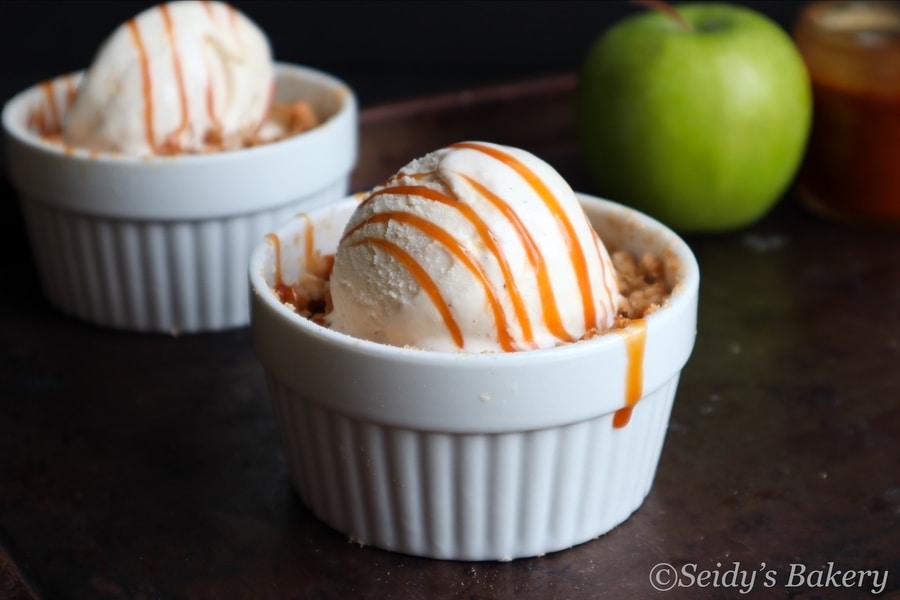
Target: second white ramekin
x,y
161,244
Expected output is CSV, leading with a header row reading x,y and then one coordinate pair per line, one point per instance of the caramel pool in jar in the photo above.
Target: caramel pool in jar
x,y
851,171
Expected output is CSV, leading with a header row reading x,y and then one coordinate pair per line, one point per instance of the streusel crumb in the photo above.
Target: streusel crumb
x,y
642,283
286,119
311,296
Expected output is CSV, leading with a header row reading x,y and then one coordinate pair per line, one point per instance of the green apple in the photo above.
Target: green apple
x,y
697,114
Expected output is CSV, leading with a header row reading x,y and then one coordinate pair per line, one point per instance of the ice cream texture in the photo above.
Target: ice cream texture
x,y
173,79
475,247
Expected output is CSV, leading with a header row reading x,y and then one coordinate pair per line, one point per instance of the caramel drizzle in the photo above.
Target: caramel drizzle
x,y
46,118
426,282
71,90
635,336
576,251
285,293
146,81
550,309
49,121
37,115
455,247
47,87
171,144
288,293
487,236
172,139
210,95
552,318
211,100
309,240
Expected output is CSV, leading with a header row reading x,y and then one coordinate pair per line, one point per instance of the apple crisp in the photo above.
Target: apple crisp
x,y
642,283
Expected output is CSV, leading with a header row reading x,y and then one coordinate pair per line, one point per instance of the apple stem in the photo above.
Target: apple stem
x,y
666,8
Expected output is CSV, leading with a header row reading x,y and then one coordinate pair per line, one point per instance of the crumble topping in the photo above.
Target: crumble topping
x,y
310,297
286,119
642,283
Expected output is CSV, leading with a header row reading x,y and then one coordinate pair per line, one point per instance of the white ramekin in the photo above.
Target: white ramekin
x,y
161,244
478,456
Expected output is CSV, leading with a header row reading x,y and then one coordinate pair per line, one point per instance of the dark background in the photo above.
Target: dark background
x,y
385,50
782,445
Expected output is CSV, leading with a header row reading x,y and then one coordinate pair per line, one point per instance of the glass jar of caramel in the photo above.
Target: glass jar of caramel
x,y
851,170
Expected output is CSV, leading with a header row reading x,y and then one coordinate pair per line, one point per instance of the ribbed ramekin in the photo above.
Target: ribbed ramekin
x,y
161,244
472,456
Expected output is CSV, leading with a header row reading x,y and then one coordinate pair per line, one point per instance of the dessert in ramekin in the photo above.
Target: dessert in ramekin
x,y
471,456
159,242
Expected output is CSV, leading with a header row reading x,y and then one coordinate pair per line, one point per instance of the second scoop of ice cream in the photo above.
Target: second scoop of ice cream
x,y
475,247
174,79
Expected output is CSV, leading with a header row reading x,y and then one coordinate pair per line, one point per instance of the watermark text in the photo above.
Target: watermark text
x,y
745,578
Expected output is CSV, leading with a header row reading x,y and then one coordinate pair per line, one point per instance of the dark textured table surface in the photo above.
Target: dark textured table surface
x,y
141,466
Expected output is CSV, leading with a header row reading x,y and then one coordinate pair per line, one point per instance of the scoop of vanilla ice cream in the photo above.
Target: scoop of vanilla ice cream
x,y
475,247
173,78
